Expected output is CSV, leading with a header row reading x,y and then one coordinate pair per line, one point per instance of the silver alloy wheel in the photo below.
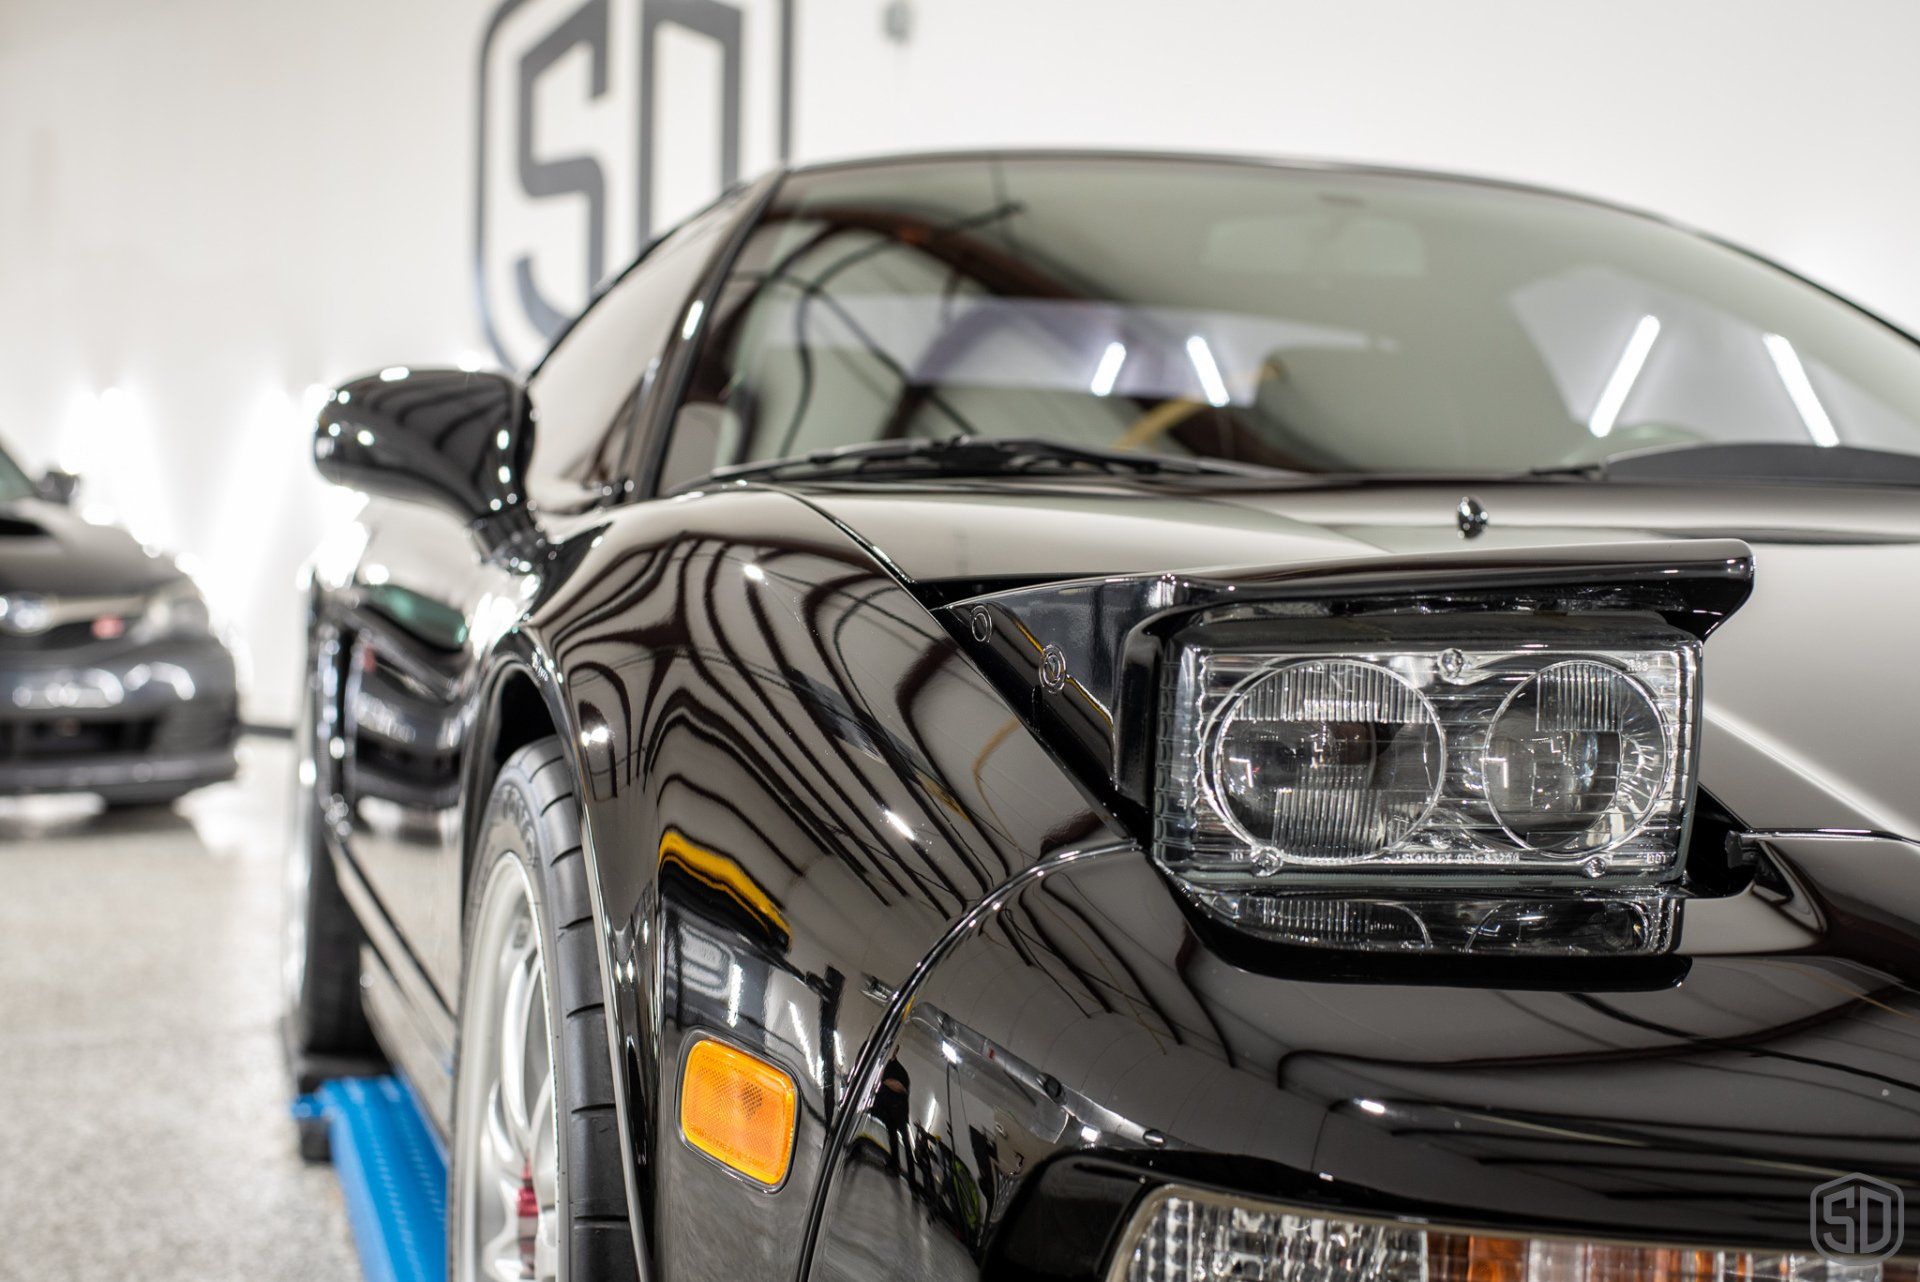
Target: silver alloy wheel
x,y
506,1217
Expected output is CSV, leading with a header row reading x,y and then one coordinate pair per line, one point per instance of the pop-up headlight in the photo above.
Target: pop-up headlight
x,y
1491,752
1550,753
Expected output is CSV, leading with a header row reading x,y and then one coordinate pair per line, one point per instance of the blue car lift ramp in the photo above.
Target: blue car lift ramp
x,y
392,1172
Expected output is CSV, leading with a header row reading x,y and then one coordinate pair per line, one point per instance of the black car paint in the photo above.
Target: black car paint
x,y
817,829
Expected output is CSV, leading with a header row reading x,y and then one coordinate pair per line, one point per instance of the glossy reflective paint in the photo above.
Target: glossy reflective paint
x,y
797,780
818,829
793,781
1809,687
1085,1018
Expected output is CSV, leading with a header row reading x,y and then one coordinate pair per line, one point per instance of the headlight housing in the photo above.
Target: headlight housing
x,y
1484,748
177,610
1487,752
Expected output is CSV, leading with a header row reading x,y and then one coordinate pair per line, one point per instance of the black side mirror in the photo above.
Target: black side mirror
x,y
457,440
56,486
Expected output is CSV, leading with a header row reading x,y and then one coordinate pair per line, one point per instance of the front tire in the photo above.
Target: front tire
x,y
326,1028
537,1189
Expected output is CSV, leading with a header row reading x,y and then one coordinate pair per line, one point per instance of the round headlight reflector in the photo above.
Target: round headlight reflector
x,y
1577,758
1326,760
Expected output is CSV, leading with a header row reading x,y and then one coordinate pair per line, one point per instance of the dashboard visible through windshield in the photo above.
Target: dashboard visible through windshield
x,y
1311,320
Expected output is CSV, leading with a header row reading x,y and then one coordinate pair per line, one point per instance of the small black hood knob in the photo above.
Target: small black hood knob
x,y
1472,517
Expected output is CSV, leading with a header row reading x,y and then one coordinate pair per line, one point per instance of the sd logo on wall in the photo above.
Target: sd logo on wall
x,y
602,122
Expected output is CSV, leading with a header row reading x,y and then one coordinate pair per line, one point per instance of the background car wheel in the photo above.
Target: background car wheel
x,y
327,1030
536,1148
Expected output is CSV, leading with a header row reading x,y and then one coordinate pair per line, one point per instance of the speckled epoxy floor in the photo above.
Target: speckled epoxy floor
x,y
143,1102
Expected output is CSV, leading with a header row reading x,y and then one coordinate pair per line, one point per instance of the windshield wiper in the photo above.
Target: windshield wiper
x,y
1767,464
976,456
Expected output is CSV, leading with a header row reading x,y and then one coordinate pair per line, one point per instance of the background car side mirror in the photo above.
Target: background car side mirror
x,y
56,486
455,439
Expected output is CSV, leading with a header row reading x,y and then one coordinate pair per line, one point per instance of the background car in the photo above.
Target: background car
x,y
111,678
950,730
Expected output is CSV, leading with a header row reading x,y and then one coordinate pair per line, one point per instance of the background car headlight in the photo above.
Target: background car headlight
x,y
177,610
1508,747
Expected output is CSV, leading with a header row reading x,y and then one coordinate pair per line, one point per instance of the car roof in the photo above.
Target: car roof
x,y
1251,160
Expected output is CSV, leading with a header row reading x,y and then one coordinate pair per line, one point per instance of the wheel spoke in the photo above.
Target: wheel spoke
x,y
523,986
501,1143
546,1248
507,1198
502,1253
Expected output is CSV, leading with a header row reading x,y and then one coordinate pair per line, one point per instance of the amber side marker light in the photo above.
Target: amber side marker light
x,y
738,1110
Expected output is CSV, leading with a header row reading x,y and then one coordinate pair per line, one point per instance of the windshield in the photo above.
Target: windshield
x,y
13,482
1322,321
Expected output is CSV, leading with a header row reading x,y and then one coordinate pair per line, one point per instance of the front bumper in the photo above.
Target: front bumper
x,y
127,723
1717,1104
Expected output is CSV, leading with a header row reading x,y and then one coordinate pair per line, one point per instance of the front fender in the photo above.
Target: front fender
x,y
793,782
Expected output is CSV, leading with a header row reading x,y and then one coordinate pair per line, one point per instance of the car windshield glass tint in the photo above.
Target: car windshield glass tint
x,y
13,482
1305,319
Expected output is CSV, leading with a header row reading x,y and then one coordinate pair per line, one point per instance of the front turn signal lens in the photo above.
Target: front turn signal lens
x,y
739,1110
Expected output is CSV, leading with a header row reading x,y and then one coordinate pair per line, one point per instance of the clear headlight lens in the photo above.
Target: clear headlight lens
x,y
1577,758
1556,758
1325,756
1621,924
1186,1235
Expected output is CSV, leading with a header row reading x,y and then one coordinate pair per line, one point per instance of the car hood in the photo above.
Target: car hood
x,y
46,548
1811,690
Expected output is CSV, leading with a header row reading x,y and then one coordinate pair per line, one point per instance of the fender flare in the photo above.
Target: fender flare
x,y
521,654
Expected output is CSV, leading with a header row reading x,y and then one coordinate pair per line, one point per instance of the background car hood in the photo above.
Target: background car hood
x,y
46,548
1811,689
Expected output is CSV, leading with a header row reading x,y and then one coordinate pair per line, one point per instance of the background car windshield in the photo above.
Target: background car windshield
x,y
1316,320
13,482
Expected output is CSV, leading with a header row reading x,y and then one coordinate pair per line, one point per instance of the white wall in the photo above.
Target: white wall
x,y
212,206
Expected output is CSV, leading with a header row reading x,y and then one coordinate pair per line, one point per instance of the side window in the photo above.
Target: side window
x,y
589,392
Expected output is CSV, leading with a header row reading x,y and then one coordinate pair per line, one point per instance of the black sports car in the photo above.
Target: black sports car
x,y
111,678
1078,716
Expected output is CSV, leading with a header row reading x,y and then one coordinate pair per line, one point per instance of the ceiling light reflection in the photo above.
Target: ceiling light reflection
x,y
1108,371
1633,358
1208,369
1806,402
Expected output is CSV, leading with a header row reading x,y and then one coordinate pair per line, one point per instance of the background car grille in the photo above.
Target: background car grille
x,y
40,738
66,636
199,726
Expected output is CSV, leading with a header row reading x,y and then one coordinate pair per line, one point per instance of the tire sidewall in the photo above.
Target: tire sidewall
x,y
321,937
512,834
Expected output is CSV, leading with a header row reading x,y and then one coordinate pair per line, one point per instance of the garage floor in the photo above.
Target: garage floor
x,y
143,1102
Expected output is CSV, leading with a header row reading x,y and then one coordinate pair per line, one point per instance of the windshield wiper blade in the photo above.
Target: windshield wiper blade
x,y
1757,463
977,455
